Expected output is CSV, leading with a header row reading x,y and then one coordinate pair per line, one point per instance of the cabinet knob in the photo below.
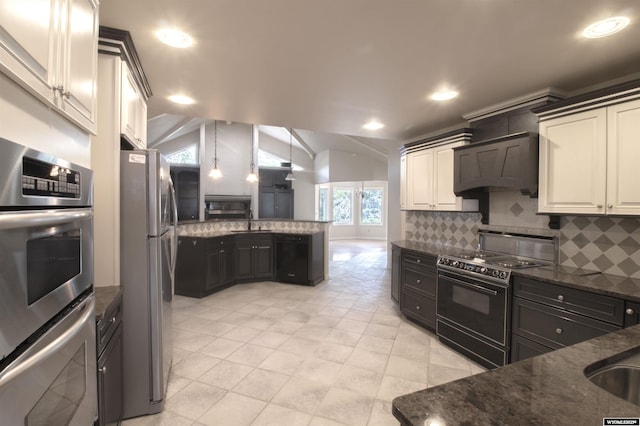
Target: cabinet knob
x,y
112,320
417,260
609,206
103,370
417,307
417,281
195,243
561,298
559,330
221,251
599,206
630,311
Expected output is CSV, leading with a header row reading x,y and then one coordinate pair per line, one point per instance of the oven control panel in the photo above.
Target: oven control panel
x,y
475,268
40,178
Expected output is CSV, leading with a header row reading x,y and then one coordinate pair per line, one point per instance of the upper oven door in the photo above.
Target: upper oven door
x,y
46,262
475,305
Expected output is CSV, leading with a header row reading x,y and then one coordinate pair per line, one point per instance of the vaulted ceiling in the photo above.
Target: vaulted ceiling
x,y
329,66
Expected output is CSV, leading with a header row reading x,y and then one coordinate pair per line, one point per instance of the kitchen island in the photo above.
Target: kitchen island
x,y
549,389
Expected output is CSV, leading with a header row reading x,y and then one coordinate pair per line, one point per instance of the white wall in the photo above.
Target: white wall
x,y
304,196
349,167
395,218
27,121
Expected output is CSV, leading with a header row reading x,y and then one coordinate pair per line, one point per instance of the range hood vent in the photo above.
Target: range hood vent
x,y
509,162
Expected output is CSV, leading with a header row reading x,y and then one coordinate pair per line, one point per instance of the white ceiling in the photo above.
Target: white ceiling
x,y
329,66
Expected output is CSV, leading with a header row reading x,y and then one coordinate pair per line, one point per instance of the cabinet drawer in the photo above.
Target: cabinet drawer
x,y
419,260
109,323
522,348
421,308
554,327
596,306
420,279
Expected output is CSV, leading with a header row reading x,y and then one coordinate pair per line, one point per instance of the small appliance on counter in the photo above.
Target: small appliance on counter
x,y
47,319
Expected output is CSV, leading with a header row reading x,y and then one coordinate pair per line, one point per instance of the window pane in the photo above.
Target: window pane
x,y
342,206
372,207
185,156
322,203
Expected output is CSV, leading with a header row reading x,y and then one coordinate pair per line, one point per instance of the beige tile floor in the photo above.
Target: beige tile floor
x,y
278,354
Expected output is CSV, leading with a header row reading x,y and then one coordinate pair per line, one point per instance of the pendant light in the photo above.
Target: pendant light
x,y
251,177
290,174
215,171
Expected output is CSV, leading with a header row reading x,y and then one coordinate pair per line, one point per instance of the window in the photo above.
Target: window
x,y
343,206
371,207
188,155
322,203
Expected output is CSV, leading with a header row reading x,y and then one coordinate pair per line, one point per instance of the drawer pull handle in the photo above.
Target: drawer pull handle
x,y
417,307
630,311
559,330
561,298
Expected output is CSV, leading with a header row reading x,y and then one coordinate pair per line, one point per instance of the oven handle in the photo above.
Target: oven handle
x,y
43,218
54,346
473,286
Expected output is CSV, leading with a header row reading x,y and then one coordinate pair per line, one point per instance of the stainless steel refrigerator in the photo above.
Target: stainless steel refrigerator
x,y
148,244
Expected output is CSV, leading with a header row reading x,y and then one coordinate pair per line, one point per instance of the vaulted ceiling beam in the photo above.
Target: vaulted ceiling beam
x,y
306,148
172,131
367,146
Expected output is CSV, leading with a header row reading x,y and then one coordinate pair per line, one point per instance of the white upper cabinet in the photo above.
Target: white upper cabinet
x,y
133,110
589,162
49,47
403,180
428,180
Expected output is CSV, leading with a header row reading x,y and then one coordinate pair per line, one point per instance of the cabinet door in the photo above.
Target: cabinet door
x,y
28,45
190,267
80,63
403,182
573,156
623,158
228,262
420,180
244,260
263,260
129,109
214,267
284,204
395,274
110,404
443,196
267,206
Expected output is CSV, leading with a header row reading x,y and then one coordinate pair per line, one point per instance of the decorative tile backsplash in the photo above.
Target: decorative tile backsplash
x,y
199,228
607,244
446,228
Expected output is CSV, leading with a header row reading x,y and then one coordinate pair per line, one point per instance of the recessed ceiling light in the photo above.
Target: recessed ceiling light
x,y
444,95
181,99
606,27
373,125
174,38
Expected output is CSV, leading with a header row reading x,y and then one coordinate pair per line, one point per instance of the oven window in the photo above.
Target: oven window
x,y
471,299
63,397
51,262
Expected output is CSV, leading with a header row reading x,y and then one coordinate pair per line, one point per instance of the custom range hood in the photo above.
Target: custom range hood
x,y
509,162
503,153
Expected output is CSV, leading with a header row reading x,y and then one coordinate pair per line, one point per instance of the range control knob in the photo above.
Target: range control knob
x,y
455,263
503,275
484,270
461,265
494,272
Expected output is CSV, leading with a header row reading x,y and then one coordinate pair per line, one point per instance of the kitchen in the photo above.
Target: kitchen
x,y
588,247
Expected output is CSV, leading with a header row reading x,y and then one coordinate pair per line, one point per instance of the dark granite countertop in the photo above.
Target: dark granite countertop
x,y
549,389
104,297
593,281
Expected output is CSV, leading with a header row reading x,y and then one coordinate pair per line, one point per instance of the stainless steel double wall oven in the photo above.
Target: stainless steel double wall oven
x,y
47,306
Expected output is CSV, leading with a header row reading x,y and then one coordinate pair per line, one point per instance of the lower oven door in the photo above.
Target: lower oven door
x,y
53,382
46,263
479,307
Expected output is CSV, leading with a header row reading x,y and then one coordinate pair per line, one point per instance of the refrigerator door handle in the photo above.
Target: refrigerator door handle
x,y
174,207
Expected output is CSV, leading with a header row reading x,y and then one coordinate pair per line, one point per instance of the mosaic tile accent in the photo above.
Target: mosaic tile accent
x,y
199,228
452,229
512,209
608,244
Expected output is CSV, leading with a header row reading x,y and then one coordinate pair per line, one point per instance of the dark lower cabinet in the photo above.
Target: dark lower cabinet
x,y
546,317
417,292
204,265
254,257
109,349
632,314
300,258
395,273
